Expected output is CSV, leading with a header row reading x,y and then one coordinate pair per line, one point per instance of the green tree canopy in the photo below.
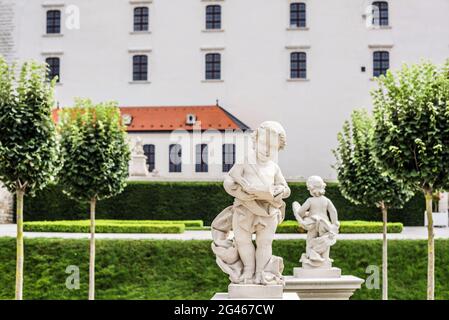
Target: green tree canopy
x,y
361,179
412,125
95,151
28,141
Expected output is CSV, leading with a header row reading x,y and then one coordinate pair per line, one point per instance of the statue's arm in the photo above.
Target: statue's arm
x,y
332,212
232,187
279,180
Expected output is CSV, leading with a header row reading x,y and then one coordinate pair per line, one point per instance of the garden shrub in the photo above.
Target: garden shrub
x,y
195,201
355,226
102,227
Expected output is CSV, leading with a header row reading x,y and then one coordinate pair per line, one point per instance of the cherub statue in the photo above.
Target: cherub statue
x,y
137,149
259,189
318,217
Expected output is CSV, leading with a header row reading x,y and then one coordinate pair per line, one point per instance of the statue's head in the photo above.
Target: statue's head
x,y
316,186
268,139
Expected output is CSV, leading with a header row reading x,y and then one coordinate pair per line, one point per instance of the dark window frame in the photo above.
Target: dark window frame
x,y
298,15
141,19
140,67
227,154
382,19
150,152
213,66
53,22
54,68
202,158
298,65
173,166
213,17
381,63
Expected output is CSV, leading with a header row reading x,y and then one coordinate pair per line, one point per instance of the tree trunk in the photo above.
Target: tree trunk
x,y
430,248
19,239
384,252
92,250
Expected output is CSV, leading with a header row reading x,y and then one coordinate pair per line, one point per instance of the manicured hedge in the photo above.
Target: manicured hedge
x,y
194,200
355,226
145,269
102,227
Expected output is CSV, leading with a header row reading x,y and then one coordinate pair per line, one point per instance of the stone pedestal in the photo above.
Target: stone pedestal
x,y
255,292
138,166
330,288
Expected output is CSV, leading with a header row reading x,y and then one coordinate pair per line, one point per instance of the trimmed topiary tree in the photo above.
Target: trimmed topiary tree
x,y
95,159
362,180
411,138
28,143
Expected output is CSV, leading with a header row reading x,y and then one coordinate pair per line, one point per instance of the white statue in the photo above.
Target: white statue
x,y
258,189
138,147
138,163
318,217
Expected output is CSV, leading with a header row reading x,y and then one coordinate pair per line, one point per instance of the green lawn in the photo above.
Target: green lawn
x,y
146,269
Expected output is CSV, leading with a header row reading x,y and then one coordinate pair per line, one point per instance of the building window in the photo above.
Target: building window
x,y
380,13
228,156
175,158
298,65
213,17
141,19
150,152
54,66
298,15
381,63
201,158
53,21
213,66
140,68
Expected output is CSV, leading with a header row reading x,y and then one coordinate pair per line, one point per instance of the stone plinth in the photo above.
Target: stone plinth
x,y
337,288
138,166
255,292
317,273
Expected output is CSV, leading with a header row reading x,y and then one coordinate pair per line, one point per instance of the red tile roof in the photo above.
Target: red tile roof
x,y
171,118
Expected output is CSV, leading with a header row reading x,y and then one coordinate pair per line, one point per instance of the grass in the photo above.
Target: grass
x,y
150,269
355,226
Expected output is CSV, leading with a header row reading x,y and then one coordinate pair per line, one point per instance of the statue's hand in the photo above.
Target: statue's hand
x,y
296,207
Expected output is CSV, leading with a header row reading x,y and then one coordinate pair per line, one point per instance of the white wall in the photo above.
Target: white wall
x,y
188,142
96,61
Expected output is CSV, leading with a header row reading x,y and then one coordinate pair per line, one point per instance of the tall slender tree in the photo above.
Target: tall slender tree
x,y
95,159
411,138
28,140
362,180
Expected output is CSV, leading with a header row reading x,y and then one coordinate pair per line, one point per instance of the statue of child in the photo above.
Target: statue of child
x,y
318,217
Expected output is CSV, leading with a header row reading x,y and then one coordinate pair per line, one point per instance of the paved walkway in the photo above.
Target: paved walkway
x,y
412,233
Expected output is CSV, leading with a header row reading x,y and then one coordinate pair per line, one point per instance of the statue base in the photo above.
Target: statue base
x,y
330,288
255,292
307,273
138,166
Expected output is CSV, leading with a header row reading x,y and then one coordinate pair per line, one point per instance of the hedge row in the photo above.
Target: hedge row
x,y
187,270
355,226
194,200
102,227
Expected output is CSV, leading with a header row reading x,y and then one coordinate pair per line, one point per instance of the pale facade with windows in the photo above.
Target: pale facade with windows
x,y
306,64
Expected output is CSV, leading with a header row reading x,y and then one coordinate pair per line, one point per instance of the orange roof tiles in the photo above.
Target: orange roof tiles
x,y
171,118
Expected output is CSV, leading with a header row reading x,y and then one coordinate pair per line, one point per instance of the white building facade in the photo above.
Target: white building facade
x,y
306,64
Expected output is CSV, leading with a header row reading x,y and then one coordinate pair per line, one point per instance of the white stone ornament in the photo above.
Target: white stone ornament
x,y
317,279
138,163
259,189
